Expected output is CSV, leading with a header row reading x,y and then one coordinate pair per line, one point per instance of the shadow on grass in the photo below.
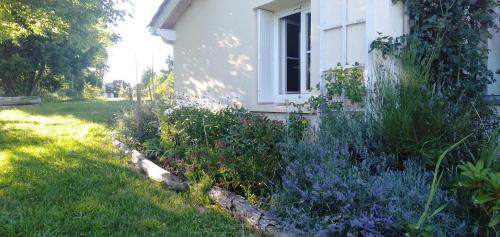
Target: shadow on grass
x,y
13,137
69,187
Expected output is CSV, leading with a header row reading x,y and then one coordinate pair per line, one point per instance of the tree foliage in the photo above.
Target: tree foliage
x,y
49,44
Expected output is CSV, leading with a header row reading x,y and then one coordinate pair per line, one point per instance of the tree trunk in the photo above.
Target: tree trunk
x,y
38,74
10,89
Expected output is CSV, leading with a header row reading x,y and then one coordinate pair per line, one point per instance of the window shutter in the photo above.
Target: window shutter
x,y
265,57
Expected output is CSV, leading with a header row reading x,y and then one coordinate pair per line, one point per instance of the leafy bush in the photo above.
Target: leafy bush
x,y
52,97
237,148
325,191
483,180
91,92
340,84
165,87
193,126
126,127
297,126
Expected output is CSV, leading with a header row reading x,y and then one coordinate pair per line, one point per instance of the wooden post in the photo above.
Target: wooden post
x,y
138,111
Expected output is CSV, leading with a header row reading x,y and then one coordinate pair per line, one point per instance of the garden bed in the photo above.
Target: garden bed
x,y
260,220
358,174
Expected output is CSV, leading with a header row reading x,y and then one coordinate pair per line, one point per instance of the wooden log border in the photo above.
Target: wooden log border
x,y
152,170
260,220
21,100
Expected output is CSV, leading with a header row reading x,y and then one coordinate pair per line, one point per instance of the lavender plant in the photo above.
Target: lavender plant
x,y
334,185
324,192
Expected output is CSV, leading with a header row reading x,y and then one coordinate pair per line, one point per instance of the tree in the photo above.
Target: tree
x,y
48,43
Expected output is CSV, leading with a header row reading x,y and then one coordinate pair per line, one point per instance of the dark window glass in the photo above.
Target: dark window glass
x,y
293,76
309,31
308,66
293,53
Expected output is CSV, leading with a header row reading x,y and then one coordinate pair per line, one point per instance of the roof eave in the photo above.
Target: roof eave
x,y
169,13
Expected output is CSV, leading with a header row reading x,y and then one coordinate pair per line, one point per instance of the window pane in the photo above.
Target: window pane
x,y
308,73
293,76
356,10
333,12
356,49
333,47
293,41
291,60
309,31
308,62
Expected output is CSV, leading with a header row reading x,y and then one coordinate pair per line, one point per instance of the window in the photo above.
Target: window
x,y
284,54
295,53
343,32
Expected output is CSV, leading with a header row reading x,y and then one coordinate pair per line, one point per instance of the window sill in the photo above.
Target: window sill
x,y
293,98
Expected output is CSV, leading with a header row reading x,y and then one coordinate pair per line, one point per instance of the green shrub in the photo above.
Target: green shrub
x,y
126,130
341,85
412,115
91,92
297,126
238,149
52,97
165,87
193,126
482,179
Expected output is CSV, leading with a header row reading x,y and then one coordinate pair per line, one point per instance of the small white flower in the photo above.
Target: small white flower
x,y
169,112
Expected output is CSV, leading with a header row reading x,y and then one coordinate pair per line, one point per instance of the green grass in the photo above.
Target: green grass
x,y
59,176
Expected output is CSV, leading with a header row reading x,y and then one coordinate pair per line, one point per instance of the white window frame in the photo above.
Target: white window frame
x,y
369,37
344,25
304,94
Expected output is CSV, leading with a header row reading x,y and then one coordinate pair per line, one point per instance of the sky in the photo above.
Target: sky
x,y
136,42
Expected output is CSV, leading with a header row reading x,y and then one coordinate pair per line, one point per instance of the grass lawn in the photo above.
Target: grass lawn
x,y
59,176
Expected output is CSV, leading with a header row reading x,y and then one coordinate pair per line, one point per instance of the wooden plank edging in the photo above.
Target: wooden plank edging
x,y
258,219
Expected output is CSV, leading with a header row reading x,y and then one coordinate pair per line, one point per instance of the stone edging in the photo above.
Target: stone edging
x,y
258,219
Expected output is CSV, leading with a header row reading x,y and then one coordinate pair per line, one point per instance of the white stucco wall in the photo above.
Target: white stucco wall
x,y
215,51
494,64
494,61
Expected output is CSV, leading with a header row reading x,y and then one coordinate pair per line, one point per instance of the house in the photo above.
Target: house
x,y
266,53
114,88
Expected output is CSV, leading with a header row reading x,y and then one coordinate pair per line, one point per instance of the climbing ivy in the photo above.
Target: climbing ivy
x,y
458,32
